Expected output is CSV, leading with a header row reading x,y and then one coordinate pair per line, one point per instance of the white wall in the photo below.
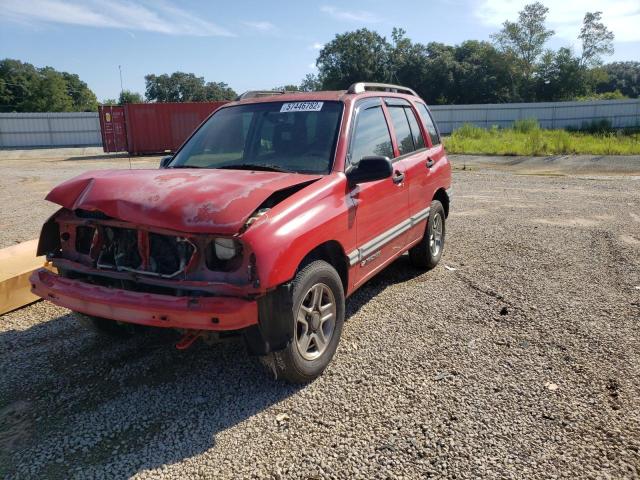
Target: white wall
x,y
68,129
621,113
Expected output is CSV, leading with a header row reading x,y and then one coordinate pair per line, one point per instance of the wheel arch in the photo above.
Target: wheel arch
x,y
331,252
442,196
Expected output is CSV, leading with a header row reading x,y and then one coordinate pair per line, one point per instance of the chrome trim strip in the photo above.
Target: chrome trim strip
x,y
381,240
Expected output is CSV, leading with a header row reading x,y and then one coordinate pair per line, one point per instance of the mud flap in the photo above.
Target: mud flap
x,y
275,322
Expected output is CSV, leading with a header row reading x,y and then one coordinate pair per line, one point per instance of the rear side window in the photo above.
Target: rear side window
x,y
371,136
404,138
418,141
429,125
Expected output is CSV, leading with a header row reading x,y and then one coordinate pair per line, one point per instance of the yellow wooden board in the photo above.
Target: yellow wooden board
x,y
16,264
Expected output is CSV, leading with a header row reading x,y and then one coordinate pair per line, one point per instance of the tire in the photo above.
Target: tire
x,y
104,326
428,252
316,288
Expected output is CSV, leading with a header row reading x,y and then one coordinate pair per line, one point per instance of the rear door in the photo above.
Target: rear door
x,y
380,206
436,158
413,155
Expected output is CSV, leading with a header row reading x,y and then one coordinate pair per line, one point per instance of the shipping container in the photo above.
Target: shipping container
x,y
147,128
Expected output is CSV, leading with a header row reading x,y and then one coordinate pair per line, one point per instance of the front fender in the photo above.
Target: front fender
x,y
309,218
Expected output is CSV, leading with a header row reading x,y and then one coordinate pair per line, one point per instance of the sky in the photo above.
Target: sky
x,y
258,44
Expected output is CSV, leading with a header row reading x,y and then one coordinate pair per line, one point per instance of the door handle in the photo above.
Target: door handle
x,y
398,177
430,162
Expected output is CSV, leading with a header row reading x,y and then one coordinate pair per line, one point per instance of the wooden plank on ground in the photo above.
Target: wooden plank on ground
x,y
16,264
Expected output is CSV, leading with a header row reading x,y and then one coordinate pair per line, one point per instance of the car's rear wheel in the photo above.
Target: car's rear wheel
x,y
428,252
104,326
317,316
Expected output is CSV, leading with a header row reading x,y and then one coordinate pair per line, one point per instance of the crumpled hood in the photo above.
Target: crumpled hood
x,y
187,200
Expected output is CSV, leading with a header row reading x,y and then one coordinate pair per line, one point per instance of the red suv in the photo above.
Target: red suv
x,y
274,210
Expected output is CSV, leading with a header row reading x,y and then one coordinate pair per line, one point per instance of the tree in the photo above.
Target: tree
x,y
127,96
110,101
351,57
82,98
560,76
287,88
524,40
621,76
310,83
25,88
597,40
185,87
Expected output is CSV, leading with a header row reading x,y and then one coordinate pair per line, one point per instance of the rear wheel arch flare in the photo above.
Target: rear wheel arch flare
x,y
443,198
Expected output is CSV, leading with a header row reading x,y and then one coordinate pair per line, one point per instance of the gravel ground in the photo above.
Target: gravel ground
x,y
517,357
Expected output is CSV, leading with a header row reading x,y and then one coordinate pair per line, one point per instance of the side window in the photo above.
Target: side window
x,y
371,135
429,125
415,129
401,127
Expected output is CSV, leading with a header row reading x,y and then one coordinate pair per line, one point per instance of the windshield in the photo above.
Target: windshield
x,y
280,136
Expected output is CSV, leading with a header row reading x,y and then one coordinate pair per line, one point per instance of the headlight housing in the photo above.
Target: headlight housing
x,y
223,254
225,248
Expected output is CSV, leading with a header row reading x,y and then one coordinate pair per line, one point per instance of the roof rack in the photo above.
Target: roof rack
x,y
262,93
361,87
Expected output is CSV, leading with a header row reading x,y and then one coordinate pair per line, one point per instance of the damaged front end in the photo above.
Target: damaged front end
x,y
140,274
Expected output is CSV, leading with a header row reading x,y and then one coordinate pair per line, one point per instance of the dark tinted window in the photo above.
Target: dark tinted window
x,y
428,123
418,141
402,130
371,135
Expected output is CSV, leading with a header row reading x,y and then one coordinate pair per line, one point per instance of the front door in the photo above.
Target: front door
x,y
380,206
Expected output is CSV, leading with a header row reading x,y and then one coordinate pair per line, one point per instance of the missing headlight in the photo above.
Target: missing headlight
x,y
223,254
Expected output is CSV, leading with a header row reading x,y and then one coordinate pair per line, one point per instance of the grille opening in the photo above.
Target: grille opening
x,y
131,286
84,238
126,249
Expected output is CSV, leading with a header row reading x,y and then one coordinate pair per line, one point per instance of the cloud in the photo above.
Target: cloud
x,y
359,16
160,16
622,17
261,26
316,46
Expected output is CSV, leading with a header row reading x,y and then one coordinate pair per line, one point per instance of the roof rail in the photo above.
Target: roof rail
x,y
361,87
262,93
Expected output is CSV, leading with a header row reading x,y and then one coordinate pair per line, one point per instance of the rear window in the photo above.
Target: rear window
x,y
404,138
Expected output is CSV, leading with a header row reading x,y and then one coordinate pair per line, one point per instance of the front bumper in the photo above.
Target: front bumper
x,y
198,313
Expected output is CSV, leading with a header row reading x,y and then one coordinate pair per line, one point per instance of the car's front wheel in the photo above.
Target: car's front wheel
x,y
317,317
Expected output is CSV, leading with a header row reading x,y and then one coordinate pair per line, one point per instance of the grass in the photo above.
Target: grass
x,y
527,138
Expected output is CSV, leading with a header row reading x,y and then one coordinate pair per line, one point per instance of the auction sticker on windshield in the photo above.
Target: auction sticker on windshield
x,y
301,107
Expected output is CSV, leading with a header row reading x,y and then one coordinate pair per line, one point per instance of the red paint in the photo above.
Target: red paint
x,y
187,200
145,128
145,308
201,204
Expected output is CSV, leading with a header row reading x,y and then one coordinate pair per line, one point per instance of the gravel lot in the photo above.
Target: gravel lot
x,y
518,356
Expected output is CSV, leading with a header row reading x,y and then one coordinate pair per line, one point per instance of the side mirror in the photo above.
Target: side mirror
x,y
165,161
370,169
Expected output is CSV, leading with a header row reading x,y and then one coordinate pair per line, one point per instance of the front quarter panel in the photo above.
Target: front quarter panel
x,y
289,231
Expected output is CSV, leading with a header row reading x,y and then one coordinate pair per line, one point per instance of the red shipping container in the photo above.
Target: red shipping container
x,y
151,127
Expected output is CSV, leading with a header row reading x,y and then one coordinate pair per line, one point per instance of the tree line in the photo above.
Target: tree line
x,y
515,66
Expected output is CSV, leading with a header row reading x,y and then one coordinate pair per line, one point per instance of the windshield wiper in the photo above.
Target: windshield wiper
x,y
187,166
256,166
